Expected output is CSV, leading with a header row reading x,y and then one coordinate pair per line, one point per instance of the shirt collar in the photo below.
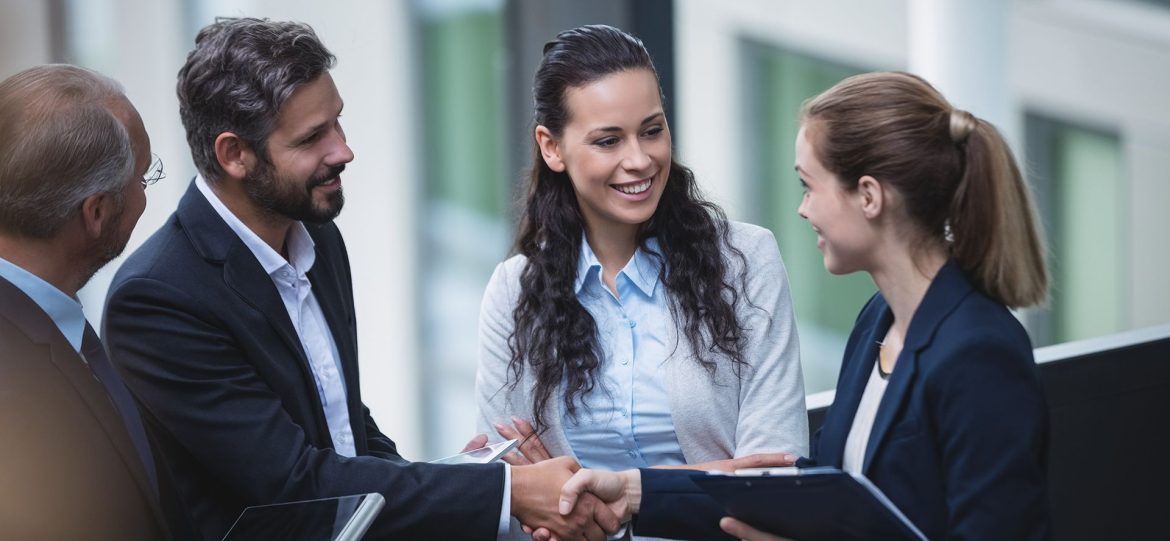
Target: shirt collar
x,y
301,252
65,311
642,270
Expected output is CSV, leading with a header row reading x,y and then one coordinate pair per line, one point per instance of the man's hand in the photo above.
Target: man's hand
x,y
536,500
759,460
745,532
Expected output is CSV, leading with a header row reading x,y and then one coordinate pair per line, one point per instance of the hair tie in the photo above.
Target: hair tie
x,y
962,124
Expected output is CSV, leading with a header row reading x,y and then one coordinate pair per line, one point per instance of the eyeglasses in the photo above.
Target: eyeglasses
x,y
155,172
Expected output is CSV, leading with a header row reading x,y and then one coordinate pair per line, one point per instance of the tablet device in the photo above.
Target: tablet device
x,y
483,455
344,518
809,504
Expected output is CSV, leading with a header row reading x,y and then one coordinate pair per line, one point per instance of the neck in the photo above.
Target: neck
x,y
903,278
49,260
271,228
613,246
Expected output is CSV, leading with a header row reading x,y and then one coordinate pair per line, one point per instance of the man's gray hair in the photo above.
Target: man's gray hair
x,y
60,144
237,77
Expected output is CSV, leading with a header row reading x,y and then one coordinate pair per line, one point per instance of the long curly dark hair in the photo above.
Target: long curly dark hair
x,y
554,335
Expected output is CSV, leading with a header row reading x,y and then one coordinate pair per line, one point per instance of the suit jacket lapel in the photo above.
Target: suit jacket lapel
x,y
850,388
948,288
216,242
37,325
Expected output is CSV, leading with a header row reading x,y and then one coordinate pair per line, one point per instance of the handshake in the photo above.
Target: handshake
x,y
554,499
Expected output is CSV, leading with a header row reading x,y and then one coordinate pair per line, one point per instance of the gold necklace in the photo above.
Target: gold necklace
x,y
882,360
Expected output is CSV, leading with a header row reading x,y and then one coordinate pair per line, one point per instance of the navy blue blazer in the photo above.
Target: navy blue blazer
x,y
959,442
206,346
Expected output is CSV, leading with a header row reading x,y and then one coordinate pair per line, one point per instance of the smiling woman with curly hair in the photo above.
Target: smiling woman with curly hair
x,y
635,325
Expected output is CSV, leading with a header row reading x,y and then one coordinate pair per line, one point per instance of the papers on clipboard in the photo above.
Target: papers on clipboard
x,y
809,504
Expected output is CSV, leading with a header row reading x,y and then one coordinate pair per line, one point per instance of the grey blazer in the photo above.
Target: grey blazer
x,y
715,416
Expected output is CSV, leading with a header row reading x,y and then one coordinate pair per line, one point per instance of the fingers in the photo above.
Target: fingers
x,y
764,460
577,484
738,529
603,515
532,447
476,442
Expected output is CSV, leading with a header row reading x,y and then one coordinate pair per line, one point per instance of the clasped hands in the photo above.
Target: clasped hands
x,y
556,500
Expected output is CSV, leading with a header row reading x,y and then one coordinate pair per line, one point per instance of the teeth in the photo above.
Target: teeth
x,y
634,189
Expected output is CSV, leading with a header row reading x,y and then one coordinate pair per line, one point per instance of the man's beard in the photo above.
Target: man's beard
x,y
107,247
294,200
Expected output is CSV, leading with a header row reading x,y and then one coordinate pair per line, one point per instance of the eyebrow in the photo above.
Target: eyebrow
x,y
645,121
318,127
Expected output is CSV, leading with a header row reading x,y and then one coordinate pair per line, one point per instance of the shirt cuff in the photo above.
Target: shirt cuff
x,y
506,507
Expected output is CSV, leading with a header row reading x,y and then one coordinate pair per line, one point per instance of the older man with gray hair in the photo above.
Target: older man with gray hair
x,y
75,462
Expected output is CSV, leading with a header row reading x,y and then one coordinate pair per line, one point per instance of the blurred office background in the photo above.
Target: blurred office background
x,y
438,112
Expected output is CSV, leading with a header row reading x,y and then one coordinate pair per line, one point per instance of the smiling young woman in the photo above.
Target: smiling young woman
x,y
635,325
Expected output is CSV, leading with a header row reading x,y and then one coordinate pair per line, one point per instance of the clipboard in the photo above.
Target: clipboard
x,y
344,518
809,504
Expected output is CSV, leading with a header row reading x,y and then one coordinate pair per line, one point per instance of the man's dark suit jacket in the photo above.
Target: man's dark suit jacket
x,y
206,346
959,442
68,469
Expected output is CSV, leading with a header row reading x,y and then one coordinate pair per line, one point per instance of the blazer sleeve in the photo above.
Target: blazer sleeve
x,y
189,374
992,436
674,507
772,413
491,376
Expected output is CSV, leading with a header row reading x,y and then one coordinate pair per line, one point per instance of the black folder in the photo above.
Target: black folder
x,y
810,504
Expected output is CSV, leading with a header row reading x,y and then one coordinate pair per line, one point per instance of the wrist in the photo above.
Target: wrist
x,y
633,490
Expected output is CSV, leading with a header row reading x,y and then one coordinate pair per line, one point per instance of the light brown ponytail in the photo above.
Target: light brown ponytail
x,y
997,237
954,171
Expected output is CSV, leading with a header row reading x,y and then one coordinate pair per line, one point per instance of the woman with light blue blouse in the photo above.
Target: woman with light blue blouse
x,y
635,326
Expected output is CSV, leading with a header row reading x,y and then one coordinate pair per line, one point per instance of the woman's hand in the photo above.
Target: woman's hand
x,y
745,532
759,460
530,451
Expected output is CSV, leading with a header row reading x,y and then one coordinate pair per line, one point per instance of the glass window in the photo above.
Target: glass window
x,y
1077,174
779,81
465,226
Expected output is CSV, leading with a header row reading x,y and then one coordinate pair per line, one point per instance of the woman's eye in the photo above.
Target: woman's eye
x,y
606,142
652,132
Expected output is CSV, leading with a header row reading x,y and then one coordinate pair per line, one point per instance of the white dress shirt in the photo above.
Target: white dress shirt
x,y
854,458
291,280
312,329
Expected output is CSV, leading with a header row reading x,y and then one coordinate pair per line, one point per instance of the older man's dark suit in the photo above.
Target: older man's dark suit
x,y
68,469
206,345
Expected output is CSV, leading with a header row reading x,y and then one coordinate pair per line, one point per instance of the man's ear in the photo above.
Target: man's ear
x,y
550,149
873,196
235,157
98,212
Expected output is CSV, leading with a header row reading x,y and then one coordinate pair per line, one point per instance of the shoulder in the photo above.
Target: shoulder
x,y
504,285
165,248
750,237
758,246
979,340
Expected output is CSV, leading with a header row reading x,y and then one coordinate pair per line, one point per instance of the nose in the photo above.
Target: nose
x,y
340,153
801,210
636,158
